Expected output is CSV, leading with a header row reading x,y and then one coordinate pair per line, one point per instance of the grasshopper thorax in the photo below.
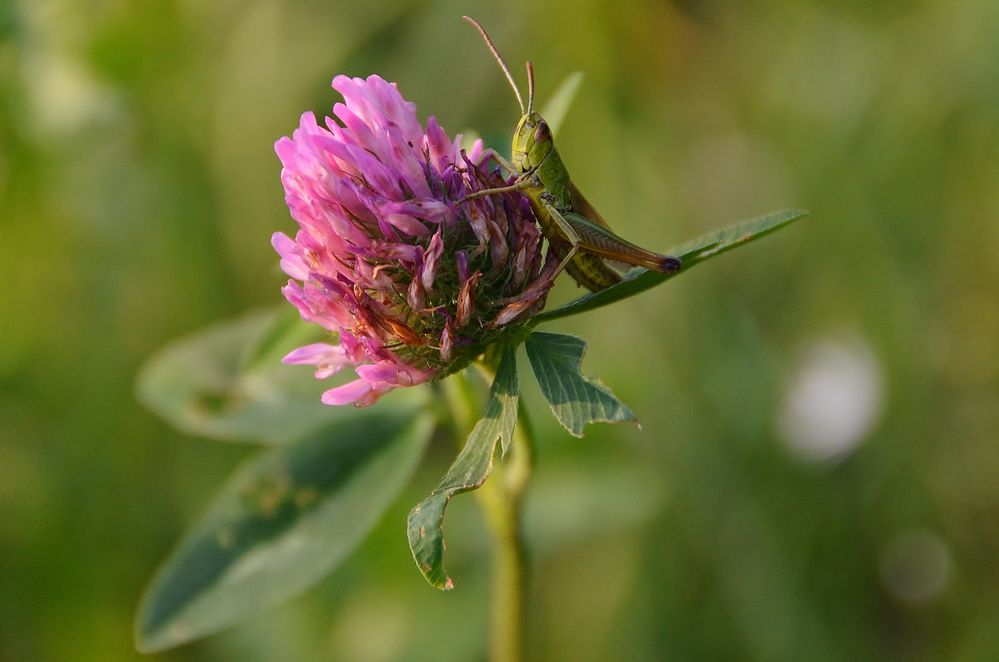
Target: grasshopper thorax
x,y
532,142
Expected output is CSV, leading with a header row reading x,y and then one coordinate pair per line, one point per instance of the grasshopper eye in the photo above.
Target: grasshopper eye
x,y
542,133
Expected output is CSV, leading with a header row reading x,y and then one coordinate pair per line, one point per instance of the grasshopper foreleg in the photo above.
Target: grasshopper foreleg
x,y
520,184
491,153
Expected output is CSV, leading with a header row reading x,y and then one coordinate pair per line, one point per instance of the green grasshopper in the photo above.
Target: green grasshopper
x,y
577,234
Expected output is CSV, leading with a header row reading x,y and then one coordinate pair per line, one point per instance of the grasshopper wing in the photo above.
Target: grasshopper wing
x,y
599,240
582,206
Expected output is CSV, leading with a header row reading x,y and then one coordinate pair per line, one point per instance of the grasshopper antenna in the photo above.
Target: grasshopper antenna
x,y
530,87
499,59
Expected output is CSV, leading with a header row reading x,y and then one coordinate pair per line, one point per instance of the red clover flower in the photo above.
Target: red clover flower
x,y
414,279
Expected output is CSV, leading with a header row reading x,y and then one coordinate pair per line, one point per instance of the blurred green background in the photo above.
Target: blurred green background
x,y
816,477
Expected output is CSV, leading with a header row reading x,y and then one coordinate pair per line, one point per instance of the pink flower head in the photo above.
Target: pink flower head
x,y
414,279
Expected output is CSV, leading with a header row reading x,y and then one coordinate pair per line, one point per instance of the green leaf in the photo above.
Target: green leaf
x,y
227,382
284,520
692,253
283,331
469,471
559,103
575,399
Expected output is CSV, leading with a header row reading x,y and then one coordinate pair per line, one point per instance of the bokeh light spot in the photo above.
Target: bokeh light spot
x,y
915,567
832,401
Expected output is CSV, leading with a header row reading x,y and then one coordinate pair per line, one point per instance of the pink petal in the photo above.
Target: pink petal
x,y
312,354
430,259
436,142
348,393
476,152
329,359
407,224
292,262
416,295
383,371
447,342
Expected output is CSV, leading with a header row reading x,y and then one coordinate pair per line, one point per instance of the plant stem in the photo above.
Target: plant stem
x,y
501,498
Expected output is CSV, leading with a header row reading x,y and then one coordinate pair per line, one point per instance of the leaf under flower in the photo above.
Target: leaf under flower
x,y
469,471
575,399
691,253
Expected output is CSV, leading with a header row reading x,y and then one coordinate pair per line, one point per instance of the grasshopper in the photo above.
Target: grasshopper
x,y
576,233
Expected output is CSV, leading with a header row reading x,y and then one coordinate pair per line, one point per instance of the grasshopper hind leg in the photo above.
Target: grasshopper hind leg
x,y
670,264
596,239
588,270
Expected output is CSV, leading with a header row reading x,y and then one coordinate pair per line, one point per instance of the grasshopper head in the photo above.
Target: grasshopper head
x,y
532,142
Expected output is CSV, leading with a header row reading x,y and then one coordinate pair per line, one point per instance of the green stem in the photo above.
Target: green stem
x,y
501,499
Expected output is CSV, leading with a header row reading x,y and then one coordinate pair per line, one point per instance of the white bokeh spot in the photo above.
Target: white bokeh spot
x,y
833,399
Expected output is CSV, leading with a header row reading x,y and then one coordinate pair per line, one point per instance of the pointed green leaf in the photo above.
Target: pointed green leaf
x,y
227,382
561,100
575,399
284,520
692,253
469,470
